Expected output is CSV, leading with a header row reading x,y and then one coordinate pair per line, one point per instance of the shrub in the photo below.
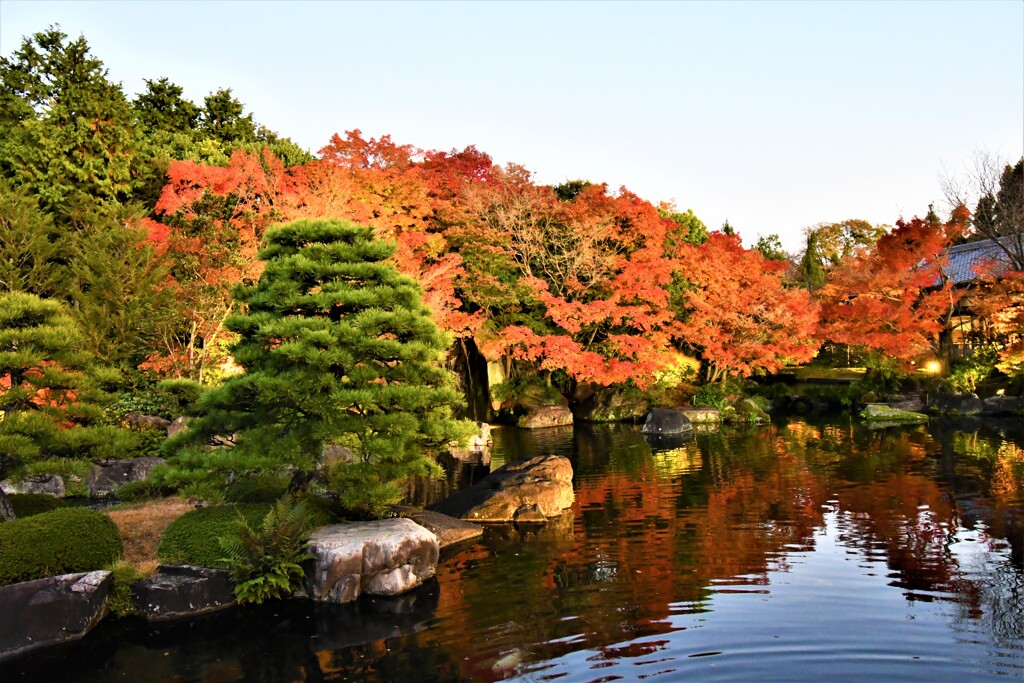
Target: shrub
x,y
259,488
29,504
63,541
142,490
968,372
192,538
266,561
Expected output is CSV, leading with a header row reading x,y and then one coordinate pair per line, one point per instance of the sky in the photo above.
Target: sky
x,y
774,116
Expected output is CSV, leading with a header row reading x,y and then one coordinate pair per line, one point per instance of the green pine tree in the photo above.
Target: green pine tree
x,y
53,420
338,350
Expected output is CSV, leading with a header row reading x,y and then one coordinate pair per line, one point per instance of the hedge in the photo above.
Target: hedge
x,y
63,541
192,538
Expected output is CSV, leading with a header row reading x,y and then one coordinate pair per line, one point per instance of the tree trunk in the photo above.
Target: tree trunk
x,y
6,511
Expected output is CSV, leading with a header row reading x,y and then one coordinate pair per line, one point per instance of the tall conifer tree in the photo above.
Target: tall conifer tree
x,y
338,350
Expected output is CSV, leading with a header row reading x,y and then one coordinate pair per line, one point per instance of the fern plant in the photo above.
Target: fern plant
x,y
266,562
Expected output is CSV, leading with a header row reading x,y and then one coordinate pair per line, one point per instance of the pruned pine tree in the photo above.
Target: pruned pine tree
x,y
53,420
338,350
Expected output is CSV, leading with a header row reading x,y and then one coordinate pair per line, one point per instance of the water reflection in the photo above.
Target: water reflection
x,y
799,551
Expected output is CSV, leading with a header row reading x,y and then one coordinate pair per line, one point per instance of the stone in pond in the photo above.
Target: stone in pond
x,y
385,557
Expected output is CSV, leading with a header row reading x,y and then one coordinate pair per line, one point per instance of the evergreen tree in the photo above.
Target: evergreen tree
x,y
119,288
338,350
30,253
812,271
65,130
53,421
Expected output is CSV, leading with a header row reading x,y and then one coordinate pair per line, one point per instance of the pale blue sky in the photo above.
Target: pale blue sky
x,y
772,115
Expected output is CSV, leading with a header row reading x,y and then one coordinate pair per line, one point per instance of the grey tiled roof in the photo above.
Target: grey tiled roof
x,y
966,260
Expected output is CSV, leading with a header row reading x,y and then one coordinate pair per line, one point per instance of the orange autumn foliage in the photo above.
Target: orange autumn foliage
x,y
740,317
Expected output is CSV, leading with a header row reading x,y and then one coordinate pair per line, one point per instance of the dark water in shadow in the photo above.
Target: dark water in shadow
x,y
799,551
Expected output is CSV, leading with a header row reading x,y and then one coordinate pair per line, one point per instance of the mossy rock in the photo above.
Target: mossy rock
x,y
63,541
192,538
752,411
30,504
879,412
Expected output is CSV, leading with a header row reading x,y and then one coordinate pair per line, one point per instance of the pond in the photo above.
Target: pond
x,y
798,551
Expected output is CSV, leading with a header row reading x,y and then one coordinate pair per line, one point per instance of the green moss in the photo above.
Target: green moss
x,y
29,504
124,575
63,541
883,413
193,537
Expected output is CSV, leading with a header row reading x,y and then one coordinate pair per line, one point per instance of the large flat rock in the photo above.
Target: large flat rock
x,y
533,490
449,530
385,557
49,611
546,416
179,591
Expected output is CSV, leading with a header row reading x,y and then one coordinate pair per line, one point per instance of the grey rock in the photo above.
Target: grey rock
x,y
49,611
106,478
958,404
698,416
51,485
178,591
385,557
533,490
449,530
6,511
1002,405
662,421
177,426
139,421
547,416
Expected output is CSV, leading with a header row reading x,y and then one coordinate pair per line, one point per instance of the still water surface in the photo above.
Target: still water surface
x,y
795,552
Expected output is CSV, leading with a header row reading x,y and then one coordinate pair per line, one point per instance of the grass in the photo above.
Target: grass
x,y
142,524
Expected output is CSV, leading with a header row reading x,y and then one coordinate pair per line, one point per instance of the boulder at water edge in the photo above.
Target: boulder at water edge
x,y
385,557
53,610
701,415
533,490
547,416
881,413
611,405
666,421
449,530
1001,406
178,591
958,404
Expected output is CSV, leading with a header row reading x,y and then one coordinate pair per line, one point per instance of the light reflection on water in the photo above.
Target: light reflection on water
x,y
792,552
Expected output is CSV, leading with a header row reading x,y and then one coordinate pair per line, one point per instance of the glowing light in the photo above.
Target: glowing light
x,y
933,366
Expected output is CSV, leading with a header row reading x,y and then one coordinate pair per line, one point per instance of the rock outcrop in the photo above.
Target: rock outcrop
x,y
50,484
49,611
533,490
666,422
106,478
178,591
546,416
385,557
611,405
